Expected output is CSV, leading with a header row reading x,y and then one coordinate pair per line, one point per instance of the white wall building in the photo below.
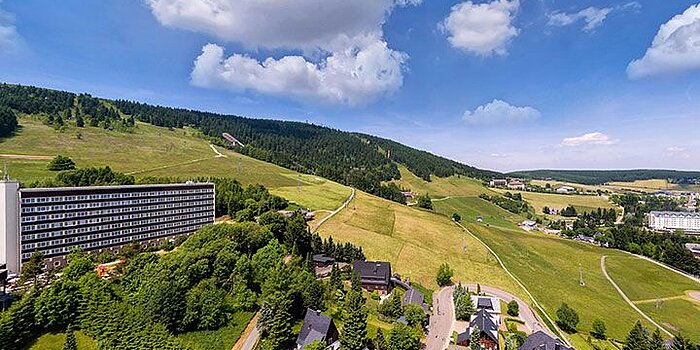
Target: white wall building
x,y
674,220
96,218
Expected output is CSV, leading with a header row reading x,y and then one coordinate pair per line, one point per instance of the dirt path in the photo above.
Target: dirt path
x,y
218,154
249,337
25,156
341,207
624,296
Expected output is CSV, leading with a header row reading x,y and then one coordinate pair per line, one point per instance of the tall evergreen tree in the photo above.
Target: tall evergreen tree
x,y
354,332
656,342
638,338
682,343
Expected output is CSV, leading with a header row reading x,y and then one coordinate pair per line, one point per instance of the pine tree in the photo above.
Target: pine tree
x,y
280,332
657,341
336,278
355,327
475,340
638,338
379,340
356,283
682,343
71,343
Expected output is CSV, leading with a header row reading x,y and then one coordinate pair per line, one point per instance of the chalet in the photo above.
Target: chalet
x,y
408,194
498,183
414,297
487,324
543,341
317,326
321,260
489,304
374,275
528,225
516,185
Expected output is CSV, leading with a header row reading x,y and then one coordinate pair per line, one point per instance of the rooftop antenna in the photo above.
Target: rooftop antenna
x,y
580,276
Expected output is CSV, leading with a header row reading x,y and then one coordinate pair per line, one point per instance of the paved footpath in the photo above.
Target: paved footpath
x,y
441,321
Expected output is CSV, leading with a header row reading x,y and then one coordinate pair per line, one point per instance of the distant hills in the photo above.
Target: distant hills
x,y
355,159
599,177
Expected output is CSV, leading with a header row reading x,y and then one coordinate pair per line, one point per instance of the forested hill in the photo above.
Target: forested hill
x,y
598,177
359,160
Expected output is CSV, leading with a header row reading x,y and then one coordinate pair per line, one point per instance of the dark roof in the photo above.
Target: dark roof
x,y
543,341
373,272
463,337
484,303
412,296
482,319
316,326
320,258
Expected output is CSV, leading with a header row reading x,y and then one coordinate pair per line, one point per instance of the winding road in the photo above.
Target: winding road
x,y
341,207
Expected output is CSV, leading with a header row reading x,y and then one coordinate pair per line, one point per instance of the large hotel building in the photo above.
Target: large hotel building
x,y
54,220
674,220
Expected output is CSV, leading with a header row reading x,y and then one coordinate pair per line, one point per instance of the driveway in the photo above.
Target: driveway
x,y
527,314
441,321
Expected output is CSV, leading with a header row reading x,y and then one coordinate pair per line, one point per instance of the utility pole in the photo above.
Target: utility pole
x,y
580,276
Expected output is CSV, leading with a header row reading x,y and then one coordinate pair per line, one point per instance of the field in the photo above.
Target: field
x,y
555,184
549,268
664,296
560,201
220,339
155,151
441,187
415,241
54,341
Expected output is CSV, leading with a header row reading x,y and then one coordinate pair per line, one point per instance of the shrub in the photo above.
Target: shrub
x,y
444,275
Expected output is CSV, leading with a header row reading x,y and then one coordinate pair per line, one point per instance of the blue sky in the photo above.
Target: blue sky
x,y
499,84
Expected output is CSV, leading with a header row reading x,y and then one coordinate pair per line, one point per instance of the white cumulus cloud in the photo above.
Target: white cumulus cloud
x,y
484,29
593,17
344,57
353,77
593,138
676,47
500,111
9,38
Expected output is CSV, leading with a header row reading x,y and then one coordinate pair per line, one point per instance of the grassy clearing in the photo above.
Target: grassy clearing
x,y
417,242
642,185
220,339
678,315
560,201
642,280
555,184
54,341
156,151
441,187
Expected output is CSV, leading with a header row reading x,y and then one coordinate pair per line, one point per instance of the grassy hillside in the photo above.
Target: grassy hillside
x,y
549,268
154,151
415,241
440,187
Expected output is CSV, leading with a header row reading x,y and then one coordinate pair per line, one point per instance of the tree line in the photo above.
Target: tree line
x,y
358,160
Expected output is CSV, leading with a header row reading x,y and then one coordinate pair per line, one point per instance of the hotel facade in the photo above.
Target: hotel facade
x,y
674,220
101,218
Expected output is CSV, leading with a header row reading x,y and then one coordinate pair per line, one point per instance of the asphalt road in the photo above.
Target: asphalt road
x,y
441,321
527,314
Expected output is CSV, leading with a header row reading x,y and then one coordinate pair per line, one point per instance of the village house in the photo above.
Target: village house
x,y
317,326
542,341
374,275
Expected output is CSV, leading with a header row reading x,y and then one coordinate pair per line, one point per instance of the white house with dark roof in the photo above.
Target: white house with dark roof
x,y
492,305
